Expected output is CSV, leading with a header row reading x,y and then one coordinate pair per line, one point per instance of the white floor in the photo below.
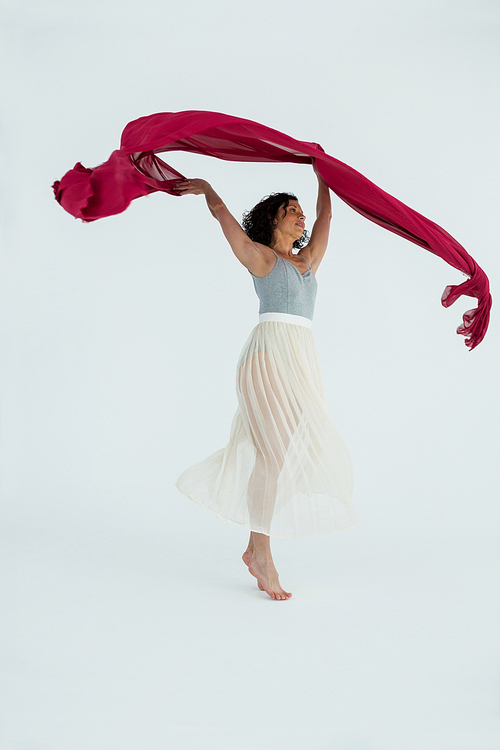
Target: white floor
x,y
145,637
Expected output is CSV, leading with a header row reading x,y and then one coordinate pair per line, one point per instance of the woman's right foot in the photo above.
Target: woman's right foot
x,y
267,578
247,556
247,559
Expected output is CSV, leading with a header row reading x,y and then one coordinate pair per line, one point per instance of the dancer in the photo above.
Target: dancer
x,y
285,470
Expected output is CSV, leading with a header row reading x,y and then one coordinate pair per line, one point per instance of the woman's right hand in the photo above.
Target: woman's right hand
x,y
199,187
191,187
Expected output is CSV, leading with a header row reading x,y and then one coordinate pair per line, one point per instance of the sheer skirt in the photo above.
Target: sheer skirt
x,y
285,471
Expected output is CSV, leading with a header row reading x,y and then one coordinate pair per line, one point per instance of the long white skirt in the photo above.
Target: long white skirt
x,y
285,471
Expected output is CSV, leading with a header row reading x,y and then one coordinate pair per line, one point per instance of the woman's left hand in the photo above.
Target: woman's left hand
x,y
315,168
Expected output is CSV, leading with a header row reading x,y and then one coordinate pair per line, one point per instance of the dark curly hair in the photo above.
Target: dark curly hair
x,y
258,222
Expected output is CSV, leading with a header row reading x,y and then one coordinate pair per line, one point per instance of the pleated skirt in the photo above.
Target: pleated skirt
x,y
285,471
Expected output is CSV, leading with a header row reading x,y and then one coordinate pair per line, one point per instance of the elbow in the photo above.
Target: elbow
x,y
325,215
216,208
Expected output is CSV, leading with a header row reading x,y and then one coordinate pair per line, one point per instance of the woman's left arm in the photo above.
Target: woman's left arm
x,y
318,243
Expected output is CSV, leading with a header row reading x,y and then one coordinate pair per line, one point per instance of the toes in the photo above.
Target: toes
x,y
283,595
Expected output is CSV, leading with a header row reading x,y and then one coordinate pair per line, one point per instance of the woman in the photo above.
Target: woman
x,y
285,470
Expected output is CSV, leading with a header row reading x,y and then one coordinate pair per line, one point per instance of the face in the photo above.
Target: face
x,y
290,221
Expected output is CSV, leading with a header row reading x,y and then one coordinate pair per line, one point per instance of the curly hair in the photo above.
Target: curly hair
x,y
258,222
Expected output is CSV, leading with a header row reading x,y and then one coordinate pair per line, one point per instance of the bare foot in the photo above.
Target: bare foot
x,y
267,578
247,555
247,559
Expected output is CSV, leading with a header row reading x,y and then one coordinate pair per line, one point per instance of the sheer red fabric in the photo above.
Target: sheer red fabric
x,y
135,170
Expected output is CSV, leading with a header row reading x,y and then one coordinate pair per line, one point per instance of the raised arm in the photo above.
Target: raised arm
x,y
247,252
317,245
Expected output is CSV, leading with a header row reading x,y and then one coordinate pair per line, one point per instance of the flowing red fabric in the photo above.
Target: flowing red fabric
x,y
135,170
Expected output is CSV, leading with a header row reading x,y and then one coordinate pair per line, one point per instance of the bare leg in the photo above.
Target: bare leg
x,y
271,423
262,567
266,415
248,553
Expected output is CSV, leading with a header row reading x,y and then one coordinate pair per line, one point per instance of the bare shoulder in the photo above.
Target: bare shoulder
x,y
262,261
312,255
309,256
305,252
254,256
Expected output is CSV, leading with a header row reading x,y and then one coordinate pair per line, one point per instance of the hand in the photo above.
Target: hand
x,y
193,187
315,168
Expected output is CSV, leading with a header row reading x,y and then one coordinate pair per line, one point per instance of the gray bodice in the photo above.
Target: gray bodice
x,y
286,290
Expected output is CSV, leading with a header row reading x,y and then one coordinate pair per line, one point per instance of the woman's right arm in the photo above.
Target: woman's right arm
x,y
247,252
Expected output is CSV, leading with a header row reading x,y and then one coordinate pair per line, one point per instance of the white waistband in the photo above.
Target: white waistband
x,y
296,320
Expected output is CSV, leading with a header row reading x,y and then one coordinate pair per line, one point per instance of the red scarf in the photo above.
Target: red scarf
x,y
136,170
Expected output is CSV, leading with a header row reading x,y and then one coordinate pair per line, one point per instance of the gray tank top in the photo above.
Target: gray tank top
x,y
286,290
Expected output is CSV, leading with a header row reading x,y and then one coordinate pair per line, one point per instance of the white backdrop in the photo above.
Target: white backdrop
x,y
129,620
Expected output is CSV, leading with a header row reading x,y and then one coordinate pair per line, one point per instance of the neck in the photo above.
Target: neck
x,y
282,244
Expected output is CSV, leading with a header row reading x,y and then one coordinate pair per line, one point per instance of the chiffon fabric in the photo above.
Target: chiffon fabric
x,y
135,170
285,471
